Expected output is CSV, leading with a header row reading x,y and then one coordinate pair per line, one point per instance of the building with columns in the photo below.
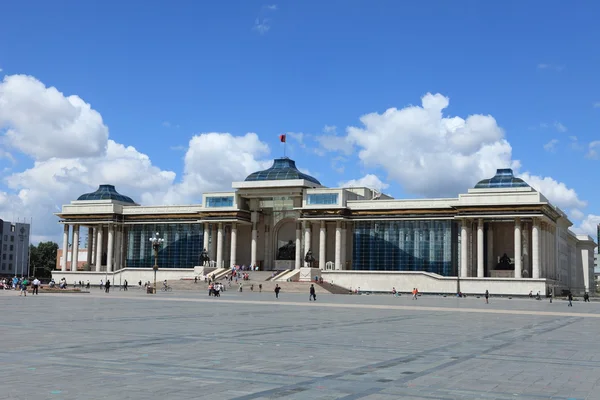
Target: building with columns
x,y
502,234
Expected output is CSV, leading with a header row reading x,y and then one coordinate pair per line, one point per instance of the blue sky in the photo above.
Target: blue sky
x,y
161,72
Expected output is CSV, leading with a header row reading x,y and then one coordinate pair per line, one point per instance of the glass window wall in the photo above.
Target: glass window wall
x,y
405,246
181,248
322,199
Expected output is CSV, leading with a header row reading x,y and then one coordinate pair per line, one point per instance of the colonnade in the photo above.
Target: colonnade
x,y
303,242
544,247
95,248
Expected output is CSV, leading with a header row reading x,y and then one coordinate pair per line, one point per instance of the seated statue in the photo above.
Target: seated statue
x,y
505,263
309,259
287,251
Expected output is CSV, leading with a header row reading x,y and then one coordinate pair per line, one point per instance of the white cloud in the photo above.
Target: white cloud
x,y
551,145
212,162
329,128
261,25
589,226
576,214
298,137
271,7
557,192
370,181
592,149
166,124
427,153
560,127
596,104
551,67
42,122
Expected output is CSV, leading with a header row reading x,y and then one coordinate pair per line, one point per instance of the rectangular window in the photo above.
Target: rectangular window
x,y
226,201
3,266
9,267
12,247
322,199
4,247
12,238
5,238
4,256
10,257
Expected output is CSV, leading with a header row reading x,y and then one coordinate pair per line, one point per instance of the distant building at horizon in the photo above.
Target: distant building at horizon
x,y
14,248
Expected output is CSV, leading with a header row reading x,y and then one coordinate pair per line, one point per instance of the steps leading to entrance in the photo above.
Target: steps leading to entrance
x,y
267,287
277,274
292,274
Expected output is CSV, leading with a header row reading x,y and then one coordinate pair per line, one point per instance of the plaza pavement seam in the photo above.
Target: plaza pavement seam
x,y
379,387
347,305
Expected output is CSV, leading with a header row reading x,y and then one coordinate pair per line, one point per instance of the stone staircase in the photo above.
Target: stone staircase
x,y
258,278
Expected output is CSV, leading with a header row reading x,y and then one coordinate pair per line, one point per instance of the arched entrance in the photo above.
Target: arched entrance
x,y
285,243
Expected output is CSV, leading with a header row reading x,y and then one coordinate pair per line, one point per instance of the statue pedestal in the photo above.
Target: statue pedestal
x,y
308,274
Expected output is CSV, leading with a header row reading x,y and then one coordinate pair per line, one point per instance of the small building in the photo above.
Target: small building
x,y
14,248
502,235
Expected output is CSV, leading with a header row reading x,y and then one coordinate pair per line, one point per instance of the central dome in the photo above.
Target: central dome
x,y
106,192
504,178
282,169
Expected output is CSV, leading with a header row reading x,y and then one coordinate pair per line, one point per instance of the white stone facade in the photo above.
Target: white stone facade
x,y
508,239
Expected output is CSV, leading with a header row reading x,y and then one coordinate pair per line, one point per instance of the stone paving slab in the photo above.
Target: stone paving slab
x,y
245,346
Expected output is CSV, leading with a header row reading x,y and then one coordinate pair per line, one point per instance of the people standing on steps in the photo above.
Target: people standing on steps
x,y
277,289
487,296
313,295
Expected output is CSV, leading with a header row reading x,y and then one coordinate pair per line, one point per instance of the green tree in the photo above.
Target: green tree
x,y
43,259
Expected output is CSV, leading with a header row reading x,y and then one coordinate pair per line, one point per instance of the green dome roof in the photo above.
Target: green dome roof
x,y
282,169
106,192
504,178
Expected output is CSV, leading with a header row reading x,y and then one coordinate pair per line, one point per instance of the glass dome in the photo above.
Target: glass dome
x,y
282,169
504,178
106,192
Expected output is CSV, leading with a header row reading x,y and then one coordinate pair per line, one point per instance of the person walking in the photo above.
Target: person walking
x,y
107,286
570,298
313,295
125,285
487,296
260,288
550,294
586,297
414,293
277,289
35,285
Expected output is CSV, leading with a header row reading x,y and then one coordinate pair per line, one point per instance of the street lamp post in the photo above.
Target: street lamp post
x,y
156,242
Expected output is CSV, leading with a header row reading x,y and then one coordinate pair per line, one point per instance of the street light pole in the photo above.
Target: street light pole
x,y
156,242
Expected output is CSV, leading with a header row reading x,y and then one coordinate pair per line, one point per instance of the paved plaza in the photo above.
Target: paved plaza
x,y
129,345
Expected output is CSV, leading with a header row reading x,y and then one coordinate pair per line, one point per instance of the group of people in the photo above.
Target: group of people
x,y
21,284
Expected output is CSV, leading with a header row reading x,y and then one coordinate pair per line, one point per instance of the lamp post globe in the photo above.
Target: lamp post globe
x,y
156,242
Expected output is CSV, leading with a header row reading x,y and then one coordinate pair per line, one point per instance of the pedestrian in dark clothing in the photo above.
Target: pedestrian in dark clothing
x,y
125,285
312,293
570,297
107,286
551,294
260,288
487,296
277,289
195,279
586,297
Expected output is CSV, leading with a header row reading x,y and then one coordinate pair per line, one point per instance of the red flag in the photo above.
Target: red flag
x,y
282,138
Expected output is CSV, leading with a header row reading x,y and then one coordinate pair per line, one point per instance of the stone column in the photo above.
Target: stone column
x,y
205,237
253,245
233,244
480,250
220,245
65,248
518,249
464,238
110,248
75,248
344,253
338,245
267,261
322,244
490,247
213,243
307,240
535,249
544,250
298,259
99,249
90,243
